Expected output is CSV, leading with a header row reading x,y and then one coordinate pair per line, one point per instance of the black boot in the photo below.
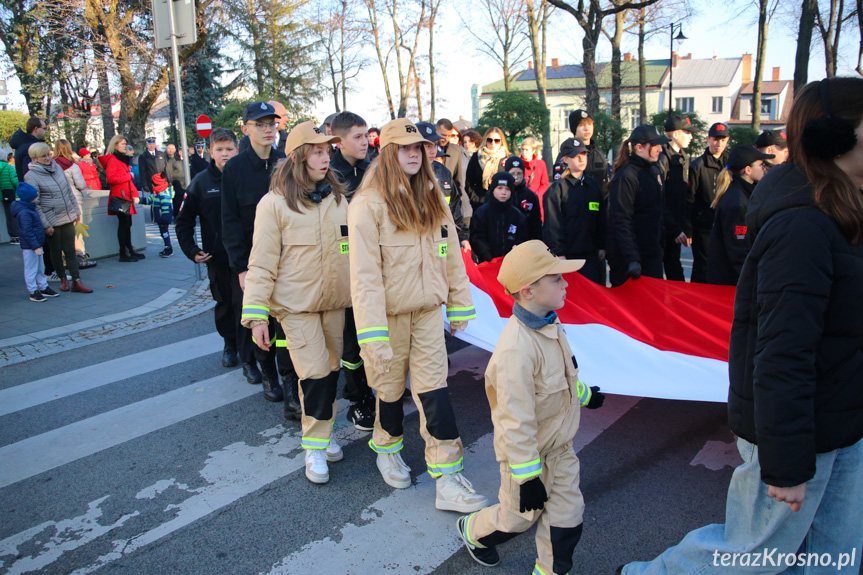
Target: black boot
x,y
293,409
229,355
252,373
272,389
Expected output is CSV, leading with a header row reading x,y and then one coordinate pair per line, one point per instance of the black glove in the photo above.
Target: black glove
x,y
596,398
634,270
532,495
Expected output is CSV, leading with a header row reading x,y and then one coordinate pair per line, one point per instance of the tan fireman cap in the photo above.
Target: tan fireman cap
x,y
307,133
530,262
400,131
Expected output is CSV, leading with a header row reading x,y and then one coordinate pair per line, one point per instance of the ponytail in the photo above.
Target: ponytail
x,y
623,155
722,183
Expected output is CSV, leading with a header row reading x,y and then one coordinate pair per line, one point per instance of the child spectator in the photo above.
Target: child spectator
x,y
163,211
32,238
535,397
523,198
497,226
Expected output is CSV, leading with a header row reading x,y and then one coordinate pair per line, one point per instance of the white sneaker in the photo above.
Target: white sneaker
x,y
53,277
316,466
334,452
394,470
455,493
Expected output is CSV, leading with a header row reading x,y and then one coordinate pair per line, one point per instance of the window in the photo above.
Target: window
x,y
635,117
766,107
685,104
717,104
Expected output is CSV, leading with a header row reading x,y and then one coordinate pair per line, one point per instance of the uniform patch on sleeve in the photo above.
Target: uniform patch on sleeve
x,y
343,248
593,206
442,250
740,232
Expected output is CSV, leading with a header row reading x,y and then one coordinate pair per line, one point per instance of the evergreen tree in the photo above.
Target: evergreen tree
x,y
203,92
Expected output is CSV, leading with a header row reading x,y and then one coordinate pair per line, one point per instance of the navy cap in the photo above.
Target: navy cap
x,y
501,179
258,110
645,134
151,140
513,162
718,130
571,147
200,145
771,138
441,153
428,132
575,118
678,123
742,156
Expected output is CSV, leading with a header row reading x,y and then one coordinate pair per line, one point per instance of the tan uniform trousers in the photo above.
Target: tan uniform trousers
x,y
564,509
314,341
417,341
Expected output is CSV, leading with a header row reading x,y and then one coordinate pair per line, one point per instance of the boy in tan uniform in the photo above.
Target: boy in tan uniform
x,y
535,396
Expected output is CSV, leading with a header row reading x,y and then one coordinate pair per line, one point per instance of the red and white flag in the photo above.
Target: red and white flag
x,y
647,338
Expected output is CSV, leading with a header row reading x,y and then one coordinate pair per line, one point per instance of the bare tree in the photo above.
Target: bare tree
x,y
537,26
830,29
376,33
616,37
860,29
434,5
341,43
400,31
806,24
502,35
765,14
590,19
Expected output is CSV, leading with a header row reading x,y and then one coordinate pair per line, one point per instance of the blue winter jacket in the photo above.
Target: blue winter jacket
x,y
30,230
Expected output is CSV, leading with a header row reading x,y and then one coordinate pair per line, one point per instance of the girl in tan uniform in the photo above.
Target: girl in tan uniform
x,y
405,264
298,273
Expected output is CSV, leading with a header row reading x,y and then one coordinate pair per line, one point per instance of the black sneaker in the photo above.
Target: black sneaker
x,y
37,296
166,253
487,556
362,416
48,292
14,242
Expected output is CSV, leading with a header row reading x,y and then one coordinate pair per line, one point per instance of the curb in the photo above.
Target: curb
x,y
199,301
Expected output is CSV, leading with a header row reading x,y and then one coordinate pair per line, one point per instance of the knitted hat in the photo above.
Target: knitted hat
x,y
83,152
160,184
26,192
501,179
513,162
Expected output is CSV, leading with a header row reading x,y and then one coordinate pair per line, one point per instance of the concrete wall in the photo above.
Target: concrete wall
x,y
102,242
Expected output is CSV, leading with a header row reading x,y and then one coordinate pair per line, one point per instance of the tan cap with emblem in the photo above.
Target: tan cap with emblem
x,y
400,131
307,133
530,262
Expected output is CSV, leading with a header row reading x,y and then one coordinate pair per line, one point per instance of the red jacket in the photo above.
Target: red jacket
x,y
91,175
119,176
536,176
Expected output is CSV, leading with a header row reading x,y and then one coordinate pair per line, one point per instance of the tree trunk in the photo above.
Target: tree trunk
x,y
431,63
416,79
860,29
108,130
761,57
536,25
804,43
375,31
588,64
615,64
642,73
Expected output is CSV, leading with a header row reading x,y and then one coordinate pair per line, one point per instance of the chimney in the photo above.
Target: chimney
x,y
747,68
674,59
687,57
530,64
776,74
555,63
627,57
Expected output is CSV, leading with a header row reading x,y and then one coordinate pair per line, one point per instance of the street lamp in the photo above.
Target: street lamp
x,y
680,37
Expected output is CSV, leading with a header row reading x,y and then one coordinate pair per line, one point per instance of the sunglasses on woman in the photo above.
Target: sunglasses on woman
x,y
493,140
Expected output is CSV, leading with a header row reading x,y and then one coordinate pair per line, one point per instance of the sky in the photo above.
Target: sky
x,y
715,29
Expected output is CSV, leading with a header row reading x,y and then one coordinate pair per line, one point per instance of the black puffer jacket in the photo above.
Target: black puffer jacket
x,y
703,176
527,202
674,168
203,200
729,242
495,228
452,193
796,355
575,216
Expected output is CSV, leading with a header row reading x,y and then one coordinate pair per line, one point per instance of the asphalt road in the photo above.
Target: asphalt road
x,y
144,455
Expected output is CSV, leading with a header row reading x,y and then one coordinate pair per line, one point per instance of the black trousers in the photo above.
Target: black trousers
x,y
124,234
671,261
266,359
225,288
62,242
591,267
356,385
179,195
700,242
11,229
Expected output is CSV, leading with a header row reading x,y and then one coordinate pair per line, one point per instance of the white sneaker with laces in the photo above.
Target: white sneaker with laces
x,y
316,466
394,470
456,493
334,452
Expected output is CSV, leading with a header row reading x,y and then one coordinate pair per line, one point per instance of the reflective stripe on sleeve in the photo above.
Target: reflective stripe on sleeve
x,y
584,392
460,313
373,334
526,469
313,443
256,312
352,366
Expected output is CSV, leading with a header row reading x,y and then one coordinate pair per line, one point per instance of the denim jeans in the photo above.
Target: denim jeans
x,y
829,522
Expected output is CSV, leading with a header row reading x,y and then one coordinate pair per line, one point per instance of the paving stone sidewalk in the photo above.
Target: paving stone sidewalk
x,y
126,298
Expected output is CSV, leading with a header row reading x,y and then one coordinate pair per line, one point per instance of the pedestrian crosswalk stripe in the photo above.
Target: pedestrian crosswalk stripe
x,y
69,383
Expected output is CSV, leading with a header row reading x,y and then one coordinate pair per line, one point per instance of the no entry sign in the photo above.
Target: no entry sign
x,y
204,126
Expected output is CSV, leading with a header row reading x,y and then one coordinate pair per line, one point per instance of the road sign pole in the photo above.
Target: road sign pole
x,y
176,59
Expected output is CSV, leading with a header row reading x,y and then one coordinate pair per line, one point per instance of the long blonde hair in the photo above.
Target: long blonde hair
x,y
415,204
723,181
291,180
112,145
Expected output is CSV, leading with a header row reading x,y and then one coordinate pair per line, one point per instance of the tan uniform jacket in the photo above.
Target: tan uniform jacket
x,y
534,393
395,272
299,261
